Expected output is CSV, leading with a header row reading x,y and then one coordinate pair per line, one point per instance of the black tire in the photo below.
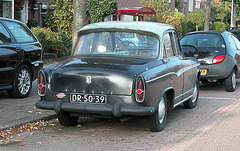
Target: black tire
x,y
231,82
66,120
158,119
22,83
192,102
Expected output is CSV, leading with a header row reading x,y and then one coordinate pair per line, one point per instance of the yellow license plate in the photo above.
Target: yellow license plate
x,y
203,71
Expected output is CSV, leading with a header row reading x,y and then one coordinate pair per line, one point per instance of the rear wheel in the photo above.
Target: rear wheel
x,y
66,120
158,119
231,82
192,102
22,83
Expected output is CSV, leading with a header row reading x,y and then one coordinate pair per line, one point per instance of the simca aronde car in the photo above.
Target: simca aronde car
x,y
106,76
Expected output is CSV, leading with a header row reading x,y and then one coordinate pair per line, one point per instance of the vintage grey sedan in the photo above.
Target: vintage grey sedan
x,y
108,77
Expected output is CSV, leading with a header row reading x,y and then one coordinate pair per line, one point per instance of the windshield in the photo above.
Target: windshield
x,y
118,43
203,40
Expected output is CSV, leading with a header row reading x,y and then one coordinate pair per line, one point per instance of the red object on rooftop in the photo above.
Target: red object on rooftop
x,y
135,11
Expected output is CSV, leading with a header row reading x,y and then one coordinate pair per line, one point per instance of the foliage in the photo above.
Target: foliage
x,y
183,20
196,17
18,6
221,12
219,26
7,136
163,14
32,23
98,9
61,19
179,4
160,7
176,23
53,42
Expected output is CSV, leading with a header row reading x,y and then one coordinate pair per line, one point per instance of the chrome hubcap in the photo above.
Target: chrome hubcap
x,y
24,81
195,93
161,110
234,81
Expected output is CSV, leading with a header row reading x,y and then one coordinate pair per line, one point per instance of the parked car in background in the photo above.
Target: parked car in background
x,y
107,78
20,58
137,39
218,53
235,31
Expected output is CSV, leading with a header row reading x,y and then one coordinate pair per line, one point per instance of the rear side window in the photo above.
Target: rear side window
x,y
4,35
168,45
203,40
20,33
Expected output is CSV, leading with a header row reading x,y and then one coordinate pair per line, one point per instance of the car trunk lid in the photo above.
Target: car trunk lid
x,y
89,75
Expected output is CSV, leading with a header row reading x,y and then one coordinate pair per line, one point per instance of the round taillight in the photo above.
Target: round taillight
x,y
140,89
41,84
218,59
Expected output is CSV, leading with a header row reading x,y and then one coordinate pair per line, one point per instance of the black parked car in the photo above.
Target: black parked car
x,y
218,53
20,58
108,76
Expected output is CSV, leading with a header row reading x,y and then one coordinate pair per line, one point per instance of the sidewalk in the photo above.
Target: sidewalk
x,y
14,112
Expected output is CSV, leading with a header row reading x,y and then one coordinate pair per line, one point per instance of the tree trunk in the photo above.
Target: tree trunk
x,y
196,27
207,16
79,18
233,14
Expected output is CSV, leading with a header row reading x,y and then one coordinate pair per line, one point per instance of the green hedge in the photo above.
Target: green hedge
x,y
52,42
218,26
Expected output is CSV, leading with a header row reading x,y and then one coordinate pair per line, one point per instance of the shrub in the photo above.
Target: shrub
x,y
218,26
32,23
52,42
176,23
183,20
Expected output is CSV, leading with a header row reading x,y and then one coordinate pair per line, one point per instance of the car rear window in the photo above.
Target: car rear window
x,y
20,33
203,40
115,43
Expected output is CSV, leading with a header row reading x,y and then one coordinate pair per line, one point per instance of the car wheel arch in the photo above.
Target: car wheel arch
x,y
170,94
235,68
27,64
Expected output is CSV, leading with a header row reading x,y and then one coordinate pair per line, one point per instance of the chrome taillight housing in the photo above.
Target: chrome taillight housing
x,y
41,83
140,89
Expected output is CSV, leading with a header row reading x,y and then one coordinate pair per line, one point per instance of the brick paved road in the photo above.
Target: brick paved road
x,y
183,130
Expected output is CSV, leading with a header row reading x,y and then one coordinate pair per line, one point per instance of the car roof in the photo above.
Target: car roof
x,y
157,28
8,19
206,32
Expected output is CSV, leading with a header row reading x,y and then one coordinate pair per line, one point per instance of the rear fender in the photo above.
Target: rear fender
x,y
170,94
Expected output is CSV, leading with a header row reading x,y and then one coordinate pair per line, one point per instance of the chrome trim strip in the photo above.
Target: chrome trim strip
x,y
160,77
184,93
179,73
175,105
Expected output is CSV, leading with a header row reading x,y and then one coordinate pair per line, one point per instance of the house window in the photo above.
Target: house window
x,y
6,8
